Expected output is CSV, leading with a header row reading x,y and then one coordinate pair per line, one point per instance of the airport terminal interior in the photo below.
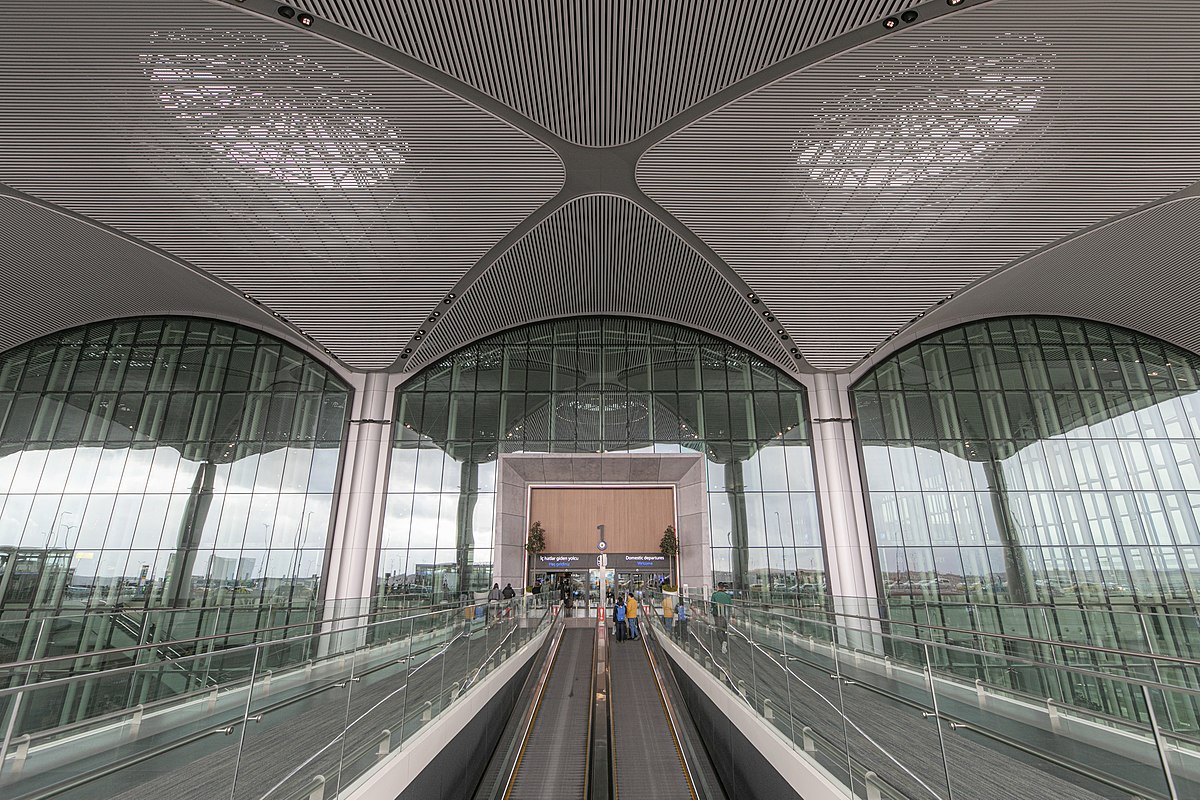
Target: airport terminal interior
x,y
496,400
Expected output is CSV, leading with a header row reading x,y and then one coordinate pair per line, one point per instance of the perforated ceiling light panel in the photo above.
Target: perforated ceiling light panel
x,y
601,73
1140,272
857,193
60,272
341,193
601,255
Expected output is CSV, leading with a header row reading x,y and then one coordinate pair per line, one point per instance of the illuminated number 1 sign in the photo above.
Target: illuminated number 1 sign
x,y
601,545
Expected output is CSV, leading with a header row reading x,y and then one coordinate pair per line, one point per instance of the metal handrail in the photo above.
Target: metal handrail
x,y
176,642
1049,607
1021,660
132,667
954,721
777,609
72,783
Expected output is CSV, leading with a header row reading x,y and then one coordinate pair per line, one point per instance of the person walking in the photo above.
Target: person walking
x,y
668,613
631,615
722,609
681,617
494,602
619,616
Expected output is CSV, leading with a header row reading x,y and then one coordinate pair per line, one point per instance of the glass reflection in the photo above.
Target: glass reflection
x,y
1034,461
164,462
587,386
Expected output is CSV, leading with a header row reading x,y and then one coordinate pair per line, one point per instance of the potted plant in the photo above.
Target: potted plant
x,y
669,547
535,543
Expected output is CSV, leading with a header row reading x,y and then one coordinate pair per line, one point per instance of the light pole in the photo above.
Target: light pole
x,y
783,546
58,529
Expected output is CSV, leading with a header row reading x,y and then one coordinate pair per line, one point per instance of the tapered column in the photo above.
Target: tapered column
x,y
852,578
361,500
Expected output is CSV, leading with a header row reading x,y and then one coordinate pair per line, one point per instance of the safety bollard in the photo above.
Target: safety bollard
x,y
874,789
385,743
19,756
1052,712
135,721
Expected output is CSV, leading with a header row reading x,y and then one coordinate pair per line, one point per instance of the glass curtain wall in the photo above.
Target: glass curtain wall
x,y
589,386
163,463
1035,461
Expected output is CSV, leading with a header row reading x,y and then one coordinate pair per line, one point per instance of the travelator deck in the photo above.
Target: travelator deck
x,y
603,725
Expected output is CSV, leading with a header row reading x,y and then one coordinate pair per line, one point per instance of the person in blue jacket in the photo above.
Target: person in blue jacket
x,y
619,616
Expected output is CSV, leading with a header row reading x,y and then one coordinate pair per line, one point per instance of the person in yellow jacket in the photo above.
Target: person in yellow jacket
x,y
668,612
631,616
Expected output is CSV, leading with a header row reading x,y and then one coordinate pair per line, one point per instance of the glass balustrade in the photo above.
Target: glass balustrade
x,y
271,719
899,716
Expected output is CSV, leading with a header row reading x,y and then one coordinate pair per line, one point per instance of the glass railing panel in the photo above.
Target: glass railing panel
x,y
894,736
77,734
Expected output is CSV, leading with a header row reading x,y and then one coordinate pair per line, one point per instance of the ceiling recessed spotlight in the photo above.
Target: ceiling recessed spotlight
x,y
404,355
890,23
909,16
305,19
449,298
435,315
407,350
794,351
287,12
750,295
954,2
782,331
421,332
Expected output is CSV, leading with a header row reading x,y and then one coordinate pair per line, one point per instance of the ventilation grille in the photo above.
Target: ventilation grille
x,y
346,196
61,272
1141,272
601,255
857,193
601,73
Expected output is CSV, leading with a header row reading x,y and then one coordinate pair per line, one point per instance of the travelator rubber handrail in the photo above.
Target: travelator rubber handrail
x,y
81,780
954,722
424,610
780,611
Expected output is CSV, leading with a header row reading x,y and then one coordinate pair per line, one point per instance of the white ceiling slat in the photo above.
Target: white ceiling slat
x,y
600,74
342,193
61,272
600,255
1140,272
857,193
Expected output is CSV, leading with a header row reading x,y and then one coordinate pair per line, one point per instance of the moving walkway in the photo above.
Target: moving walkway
x,y
604,722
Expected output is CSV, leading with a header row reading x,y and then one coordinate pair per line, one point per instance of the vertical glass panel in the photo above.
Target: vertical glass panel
x,y
612,389
1069,472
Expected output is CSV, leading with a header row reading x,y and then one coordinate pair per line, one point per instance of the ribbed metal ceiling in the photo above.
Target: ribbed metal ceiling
x,y
601,255
857,193
341,193
601,73
1140,272
60,272
316,179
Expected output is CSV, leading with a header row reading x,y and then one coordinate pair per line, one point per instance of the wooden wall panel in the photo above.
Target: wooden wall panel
x,y
634,519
